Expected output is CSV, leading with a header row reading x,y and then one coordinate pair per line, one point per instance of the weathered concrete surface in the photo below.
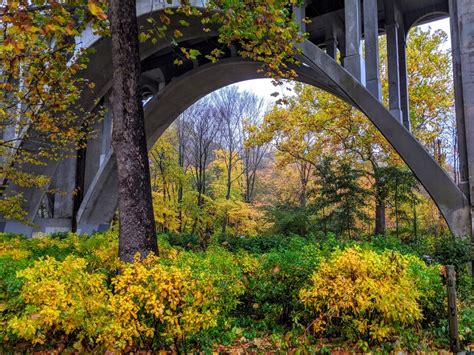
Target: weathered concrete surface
x,y
392,29
353,29
371,36
462,25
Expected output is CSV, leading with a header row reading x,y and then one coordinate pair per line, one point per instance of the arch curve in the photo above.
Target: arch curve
x,y
100,201
319,70
434,15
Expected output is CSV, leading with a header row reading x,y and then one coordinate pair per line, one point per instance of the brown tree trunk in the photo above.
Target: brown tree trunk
x,y
137,225
225,221
379,218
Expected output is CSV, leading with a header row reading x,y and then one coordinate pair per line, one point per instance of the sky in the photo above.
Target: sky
x,y
264,87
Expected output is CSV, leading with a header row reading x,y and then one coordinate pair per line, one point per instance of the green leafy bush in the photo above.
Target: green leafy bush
x,y
65,291
363,296
272,292
290,220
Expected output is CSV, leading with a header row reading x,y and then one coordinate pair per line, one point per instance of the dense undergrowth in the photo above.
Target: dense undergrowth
x,y
262,293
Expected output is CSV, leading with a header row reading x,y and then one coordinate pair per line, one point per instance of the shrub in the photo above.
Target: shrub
x,y
449,250
222,269
227,272
155,305
151,304
186,241
433,299
288,219
362,295
272,290
466,324
389,242
10,292
65,291
62,302
257,245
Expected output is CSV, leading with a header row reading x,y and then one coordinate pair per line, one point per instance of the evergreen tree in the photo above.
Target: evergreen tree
x,y
340,197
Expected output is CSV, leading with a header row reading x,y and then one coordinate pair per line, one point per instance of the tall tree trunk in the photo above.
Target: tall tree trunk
x,y
225,221
415,220
396,206
180,182
229,176
137,225
379,217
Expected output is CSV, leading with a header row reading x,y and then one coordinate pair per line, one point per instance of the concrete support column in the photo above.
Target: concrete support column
x,y
402,63
371,36
462,36
331,48
299,14
93,156
106,132
459,99
64,183
331,40
353,28
341,45
391,28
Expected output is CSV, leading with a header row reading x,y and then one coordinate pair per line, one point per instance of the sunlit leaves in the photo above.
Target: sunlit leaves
x,y
364,295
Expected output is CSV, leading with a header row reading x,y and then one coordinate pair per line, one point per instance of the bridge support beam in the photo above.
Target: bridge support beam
x,y
353,28
371,36
331,40
462,36
392,30
106,131
403,70
64,183
299,14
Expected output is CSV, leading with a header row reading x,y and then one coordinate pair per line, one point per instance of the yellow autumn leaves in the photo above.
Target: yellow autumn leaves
x,y
83,296
177,303
148,300
97,9
369,295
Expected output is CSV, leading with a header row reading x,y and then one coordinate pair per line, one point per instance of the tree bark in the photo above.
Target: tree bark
x,y
136,222
379,218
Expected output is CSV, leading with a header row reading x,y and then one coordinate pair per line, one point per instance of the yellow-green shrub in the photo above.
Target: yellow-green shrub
x,y
13,248
223,269
61,299
148,304
154,302
101,251
363,295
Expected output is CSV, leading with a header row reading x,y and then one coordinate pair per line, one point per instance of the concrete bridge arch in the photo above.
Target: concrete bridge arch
x,y
174,89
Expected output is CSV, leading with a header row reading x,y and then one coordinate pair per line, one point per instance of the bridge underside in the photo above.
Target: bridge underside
x,y
338,27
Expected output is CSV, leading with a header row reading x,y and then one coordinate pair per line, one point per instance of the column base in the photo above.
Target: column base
x,y
15,227
92,228
40,226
